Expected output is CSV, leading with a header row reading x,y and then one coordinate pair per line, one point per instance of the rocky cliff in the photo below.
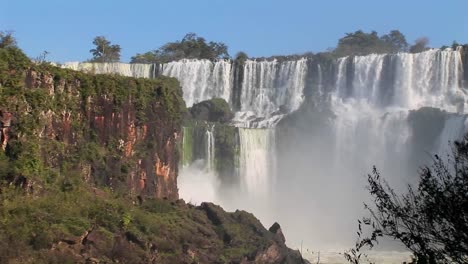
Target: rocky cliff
x,y
115,131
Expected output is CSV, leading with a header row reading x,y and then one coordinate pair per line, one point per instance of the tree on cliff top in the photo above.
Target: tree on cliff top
x,y
420,45
190,47
104,51
362,43
7,40
431,221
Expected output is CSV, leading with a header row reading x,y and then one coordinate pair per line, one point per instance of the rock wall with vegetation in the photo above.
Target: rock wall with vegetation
x,y
105,130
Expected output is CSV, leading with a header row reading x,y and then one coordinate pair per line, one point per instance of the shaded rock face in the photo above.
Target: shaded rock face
x,y
242,229
214,110
142,154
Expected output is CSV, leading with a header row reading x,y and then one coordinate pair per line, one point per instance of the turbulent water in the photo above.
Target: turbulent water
x,y
309,171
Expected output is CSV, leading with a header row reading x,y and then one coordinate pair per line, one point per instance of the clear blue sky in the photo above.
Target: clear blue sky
x,y
66,28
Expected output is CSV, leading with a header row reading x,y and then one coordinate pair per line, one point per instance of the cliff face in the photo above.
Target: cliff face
x,y
122,132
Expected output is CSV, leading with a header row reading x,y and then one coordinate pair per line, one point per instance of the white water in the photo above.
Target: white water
x,y
430,78
124,69
201,79
210,149
267,86
370,127
257,160
320,197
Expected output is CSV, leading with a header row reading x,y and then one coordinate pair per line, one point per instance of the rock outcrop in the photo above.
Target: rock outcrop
x,y
214,110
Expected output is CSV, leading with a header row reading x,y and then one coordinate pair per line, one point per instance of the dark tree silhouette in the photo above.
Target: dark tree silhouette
x,y
431,220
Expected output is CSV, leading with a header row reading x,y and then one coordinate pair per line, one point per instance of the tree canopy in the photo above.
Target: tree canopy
x,y
361,43
105,51
190,47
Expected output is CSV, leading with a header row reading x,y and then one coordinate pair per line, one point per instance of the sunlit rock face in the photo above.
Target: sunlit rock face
x,y
142,139
308,130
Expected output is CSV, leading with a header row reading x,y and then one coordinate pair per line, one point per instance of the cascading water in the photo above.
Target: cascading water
x,y
210,149
124,69
367,113
257,160
376,119
403,80
270,88
201,79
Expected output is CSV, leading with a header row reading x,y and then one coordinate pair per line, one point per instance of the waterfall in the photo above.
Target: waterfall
x,y
210,149
404,80
269,87
257,159
124,69
360,117
201,79
187,146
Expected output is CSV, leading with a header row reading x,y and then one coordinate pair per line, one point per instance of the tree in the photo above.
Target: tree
x,y
241,57
190,47
362,43
357,43
104,51
7,40
395,41
432,220
420,45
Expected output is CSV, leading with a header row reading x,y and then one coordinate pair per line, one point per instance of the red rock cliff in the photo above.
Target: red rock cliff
x,y
128,129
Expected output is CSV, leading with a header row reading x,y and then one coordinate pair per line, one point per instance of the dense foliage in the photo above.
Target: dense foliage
x,y
432,220
190,47
361,43
105,51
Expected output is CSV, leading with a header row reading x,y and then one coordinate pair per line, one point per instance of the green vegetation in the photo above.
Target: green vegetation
x,y
361,43
190,47
104,51
213,110
43,145
431,220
